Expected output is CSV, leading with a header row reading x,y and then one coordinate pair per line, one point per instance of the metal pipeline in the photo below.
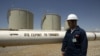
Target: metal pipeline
x,y
16,38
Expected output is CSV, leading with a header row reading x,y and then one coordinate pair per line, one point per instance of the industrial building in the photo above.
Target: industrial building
x,y
66,25
20,19
51,22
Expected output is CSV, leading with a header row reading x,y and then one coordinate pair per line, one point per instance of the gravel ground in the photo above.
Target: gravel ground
x,y
45,50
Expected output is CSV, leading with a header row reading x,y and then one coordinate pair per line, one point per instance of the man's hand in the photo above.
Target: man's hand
x,y
63,53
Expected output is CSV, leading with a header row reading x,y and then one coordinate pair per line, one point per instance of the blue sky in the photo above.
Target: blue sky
x,y
88,11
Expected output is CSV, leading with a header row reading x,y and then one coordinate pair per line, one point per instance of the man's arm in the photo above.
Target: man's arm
x,y
64,43
84,44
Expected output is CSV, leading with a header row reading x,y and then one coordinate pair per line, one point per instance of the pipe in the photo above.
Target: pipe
x,y
16,38
97,35
91,35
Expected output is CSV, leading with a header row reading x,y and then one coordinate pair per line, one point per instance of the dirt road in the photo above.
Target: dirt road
x,y
45,50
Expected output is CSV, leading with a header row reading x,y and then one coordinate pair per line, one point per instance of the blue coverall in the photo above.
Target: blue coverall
x,y
75,43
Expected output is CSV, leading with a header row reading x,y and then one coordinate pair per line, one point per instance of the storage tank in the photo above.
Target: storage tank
x,y
66,25
20,19
51,22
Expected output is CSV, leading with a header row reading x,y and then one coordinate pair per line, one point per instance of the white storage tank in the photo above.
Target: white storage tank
x,y
66,25
51,22
20,19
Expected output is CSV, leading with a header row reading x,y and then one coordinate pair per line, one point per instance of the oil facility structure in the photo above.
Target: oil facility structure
x,y
20,19
51,22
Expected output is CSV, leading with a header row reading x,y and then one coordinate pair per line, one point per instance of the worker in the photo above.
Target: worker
x,y
75,42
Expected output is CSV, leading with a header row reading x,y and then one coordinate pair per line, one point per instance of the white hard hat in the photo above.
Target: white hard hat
x,y
72,17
